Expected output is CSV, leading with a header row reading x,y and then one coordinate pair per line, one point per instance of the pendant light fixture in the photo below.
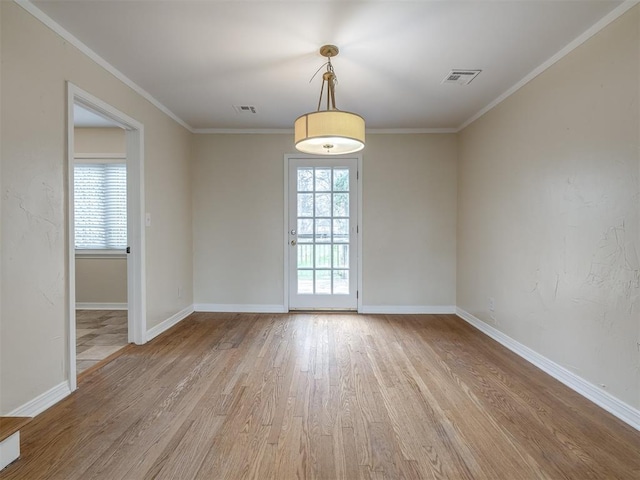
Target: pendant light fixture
x,y
330,131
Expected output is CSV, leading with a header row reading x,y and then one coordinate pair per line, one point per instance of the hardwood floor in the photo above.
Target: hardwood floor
x,y
235,396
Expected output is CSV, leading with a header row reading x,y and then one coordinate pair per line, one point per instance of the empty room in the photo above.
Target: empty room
x,y
334,239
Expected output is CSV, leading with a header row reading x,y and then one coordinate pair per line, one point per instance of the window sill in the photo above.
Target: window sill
x,y
101,253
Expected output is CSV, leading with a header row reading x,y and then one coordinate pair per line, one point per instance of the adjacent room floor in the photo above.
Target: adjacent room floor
x,y
327,396
99,334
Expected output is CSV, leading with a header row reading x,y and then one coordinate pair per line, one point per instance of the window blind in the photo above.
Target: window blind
x,y
100,206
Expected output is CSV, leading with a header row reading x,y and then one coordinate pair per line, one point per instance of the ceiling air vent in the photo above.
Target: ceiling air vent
x,y
461,77
245,109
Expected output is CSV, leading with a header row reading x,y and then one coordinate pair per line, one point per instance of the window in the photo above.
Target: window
x,y
100,197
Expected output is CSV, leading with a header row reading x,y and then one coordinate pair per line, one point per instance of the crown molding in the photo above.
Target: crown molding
x,y
575,43
408,131
66,35
594,29
237,131
289,131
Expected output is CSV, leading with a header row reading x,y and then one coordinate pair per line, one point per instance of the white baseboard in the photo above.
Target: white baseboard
x,y
9,450
169,322
611,404
42,402
407,309
371,309
240,308
57,393
100,306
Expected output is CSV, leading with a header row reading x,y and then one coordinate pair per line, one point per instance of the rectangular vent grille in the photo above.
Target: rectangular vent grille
x,y
245,109
461,77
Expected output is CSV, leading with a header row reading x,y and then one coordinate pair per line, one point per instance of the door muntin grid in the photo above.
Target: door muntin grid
x,y
323,230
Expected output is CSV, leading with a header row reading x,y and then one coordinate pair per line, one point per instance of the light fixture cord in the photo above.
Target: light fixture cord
x,y
321,92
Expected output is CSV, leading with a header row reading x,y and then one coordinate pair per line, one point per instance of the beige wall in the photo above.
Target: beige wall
x,y
409,204
100,280
34,330
549,209
238,189
99,141
409,210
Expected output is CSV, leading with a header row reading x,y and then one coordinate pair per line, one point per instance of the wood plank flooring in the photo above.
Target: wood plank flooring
x,y
327,396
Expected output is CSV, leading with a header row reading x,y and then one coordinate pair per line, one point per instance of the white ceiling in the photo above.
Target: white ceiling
x,y
200,58
86,118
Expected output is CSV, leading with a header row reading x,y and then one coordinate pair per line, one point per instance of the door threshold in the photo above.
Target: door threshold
x,y
82,375
323,310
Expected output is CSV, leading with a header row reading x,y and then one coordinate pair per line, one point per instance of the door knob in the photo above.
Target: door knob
x,y
293,243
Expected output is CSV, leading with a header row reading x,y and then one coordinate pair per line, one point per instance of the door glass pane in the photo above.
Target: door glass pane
x,y
323,281
305,281
305,256
340,204
341,230
340,256
305,179
305,230
323,256
340,180
323,204
323,179
305,204
341,282
323,230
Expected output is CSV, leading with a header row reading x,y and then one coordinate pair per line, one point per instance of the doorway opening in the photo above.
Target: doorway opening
x,y
105,191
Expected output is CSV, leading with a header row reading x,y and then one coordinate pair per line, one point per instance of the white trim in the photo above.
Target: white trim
x,y
101,254
136,275
66,35
235,131
71,245
80,160
586,35
54,395
86,100
285,236
409,131
238,308
360,229
122,157
100,306
9,449
611,404
136,259
358,245
408,309
42,402
289,131
162,327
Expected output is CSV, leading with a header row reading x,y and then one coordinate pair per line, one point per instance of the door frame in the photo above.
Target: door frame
x,y
285,237
136,269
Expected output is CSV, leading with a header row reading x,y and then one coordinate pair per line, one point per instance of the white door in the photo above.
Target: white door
x,y
322,233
